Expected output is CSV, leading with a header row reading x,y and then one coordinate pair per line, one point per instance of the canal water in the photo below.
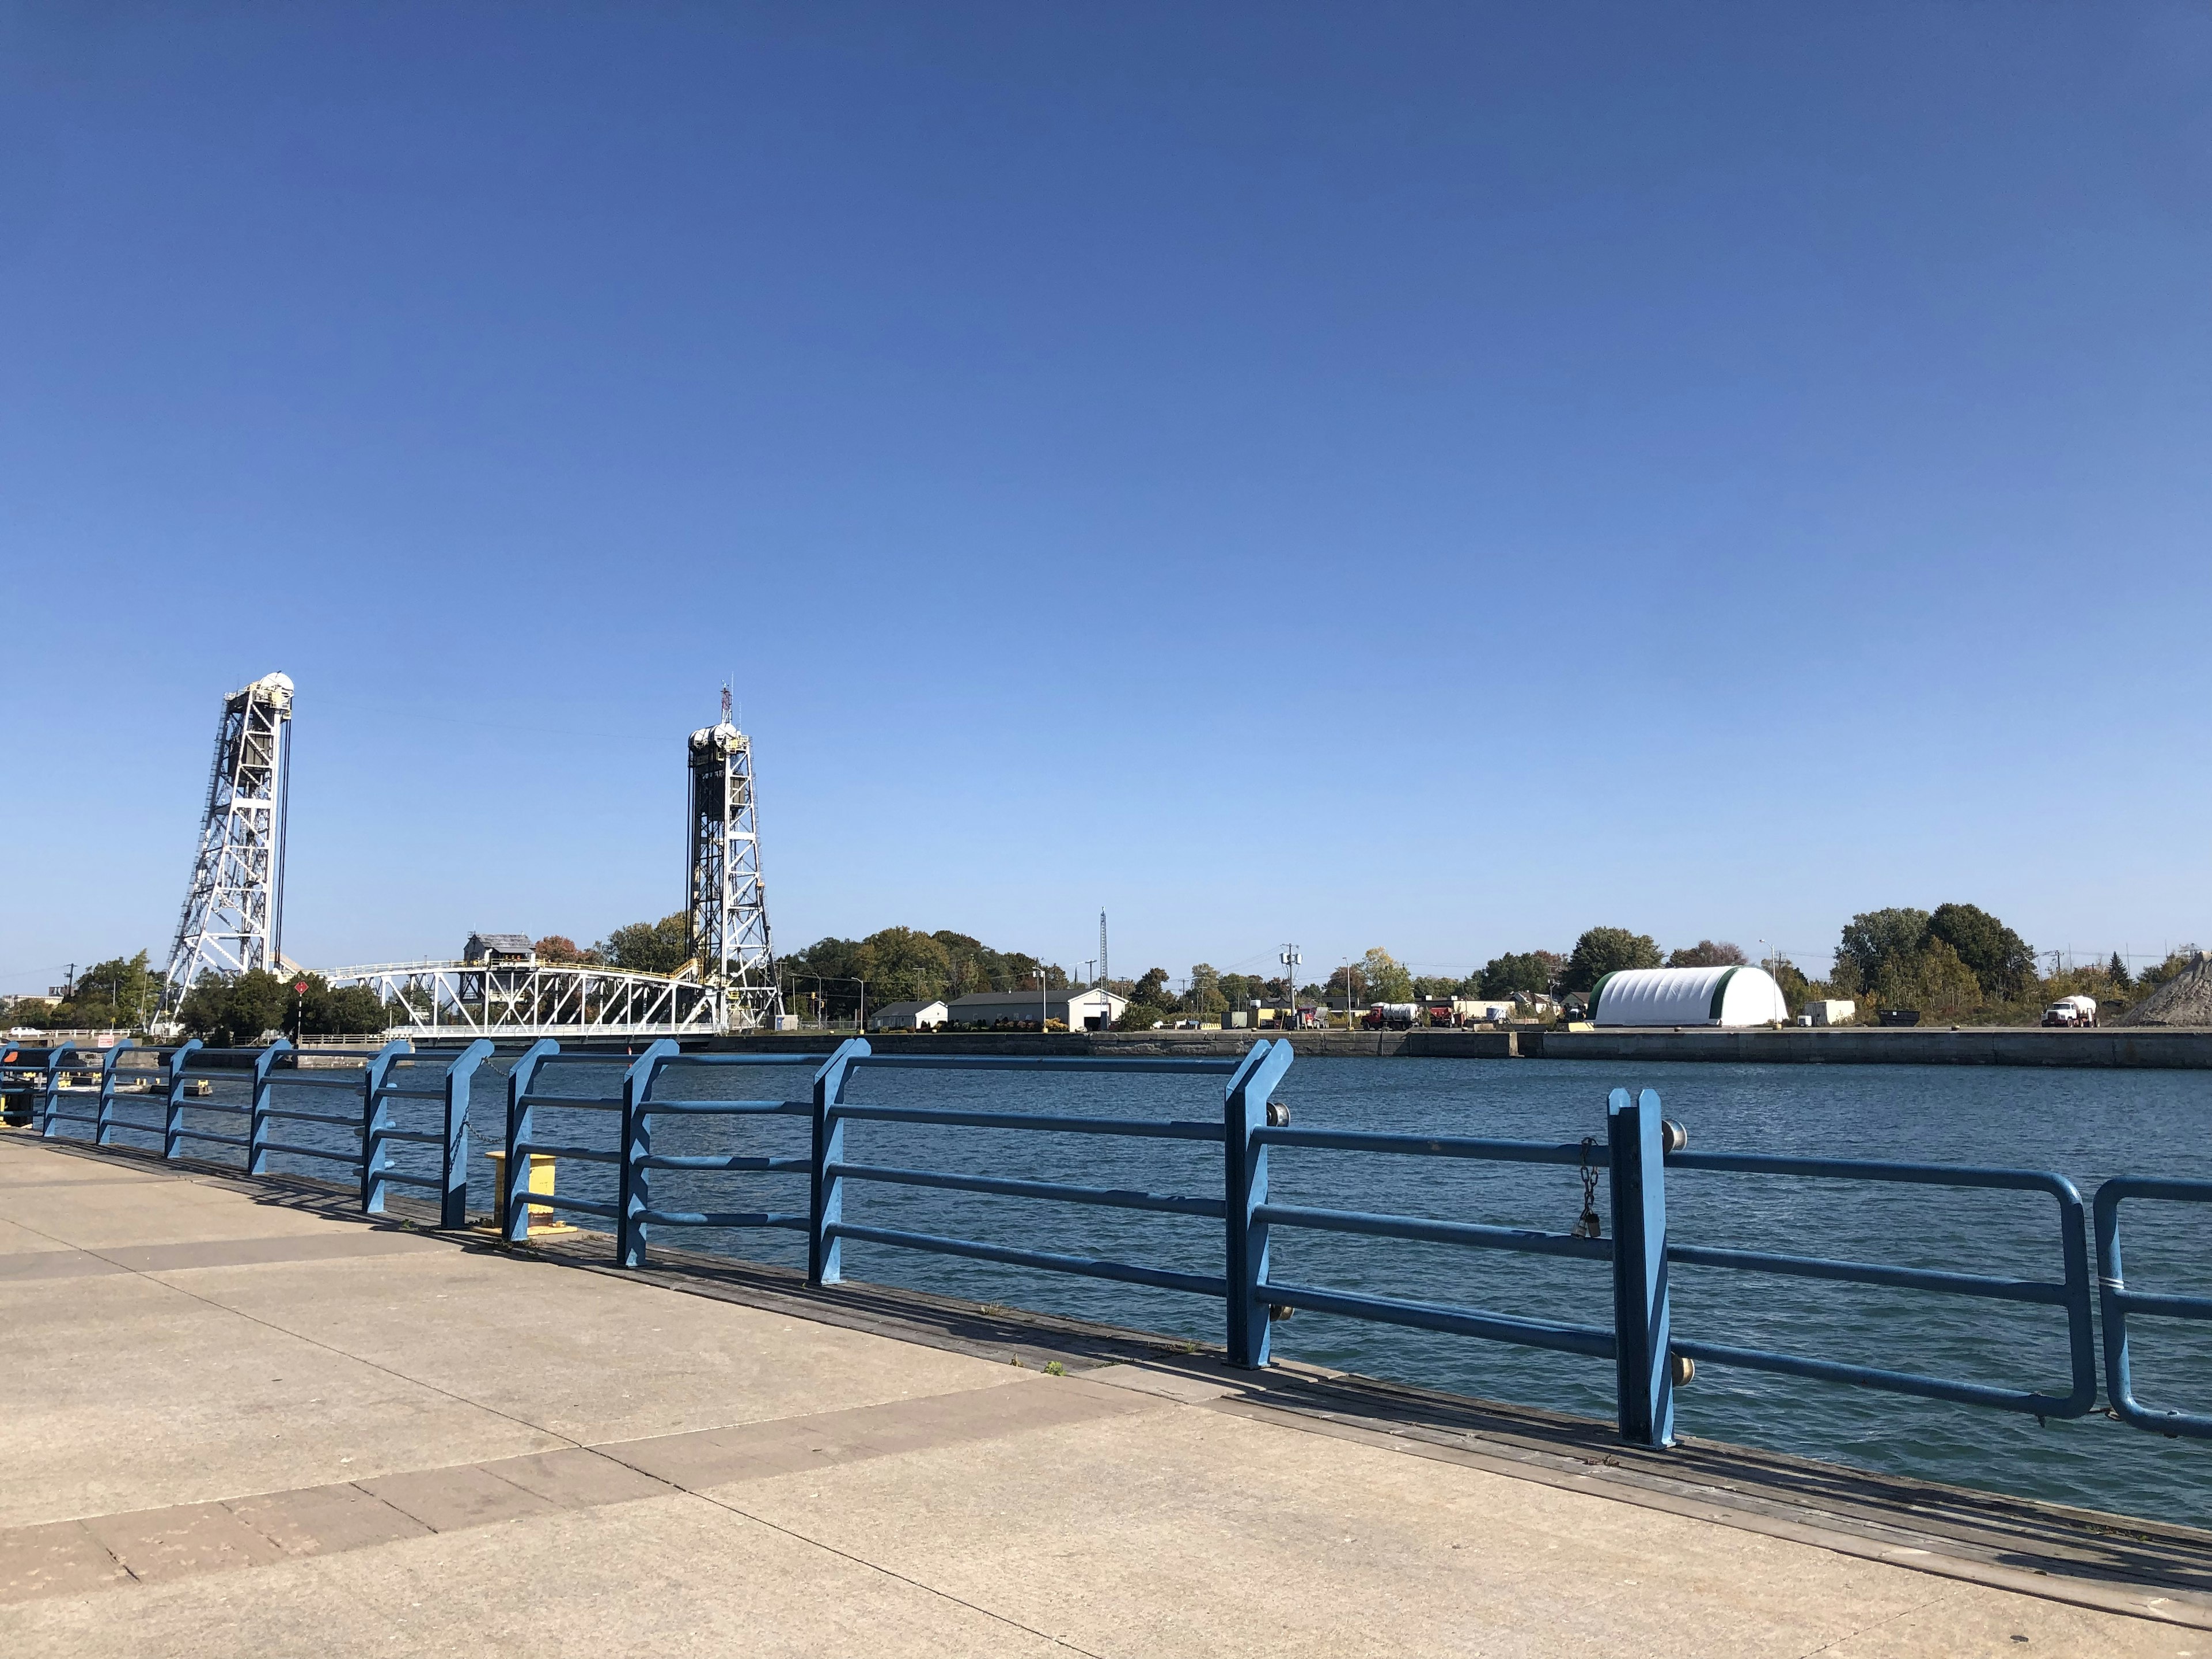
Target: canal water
x,y
2084,1124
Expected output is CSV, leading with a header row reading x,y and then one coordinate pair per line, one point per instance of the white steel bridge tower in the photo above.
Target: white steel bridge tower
x,y
233,916
727,929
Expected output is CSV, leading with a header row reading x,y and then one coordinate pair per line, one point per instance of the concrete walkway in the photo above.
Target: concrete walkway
x,y
236,1426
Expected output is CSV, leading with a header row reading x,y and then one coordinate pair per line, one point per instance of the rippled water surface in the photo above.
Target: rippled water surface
x,y
2084,1124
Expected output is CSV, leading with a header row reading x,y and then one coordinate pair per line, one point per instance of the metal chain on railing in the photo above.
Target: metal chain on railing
x,y
1589,1224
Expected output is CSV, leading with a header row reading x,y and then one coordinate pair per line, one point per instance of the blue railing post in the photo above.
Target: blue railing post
x,y
635,1196
1244,1165
105,1125
454,1177
1642,1356
49,1124
256,1134
173,1121
514,1207
375,1119
826,1199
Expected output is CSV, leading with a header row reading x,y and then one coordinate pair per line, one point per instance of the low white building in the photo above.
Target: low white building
x,y
909,1016
1834,1012
1688,996
1093,1010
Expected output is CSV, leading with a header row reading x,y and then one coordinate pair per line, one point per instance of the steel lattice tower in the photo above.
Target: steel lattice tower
x,y
233,916
727,930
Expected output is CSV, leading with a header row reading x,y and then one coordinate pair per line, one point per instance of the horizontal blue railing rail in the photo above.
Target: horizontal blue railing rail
x,y
829,1230
2070,1292
1637,1339
394,1075
2117,1301
1635,1155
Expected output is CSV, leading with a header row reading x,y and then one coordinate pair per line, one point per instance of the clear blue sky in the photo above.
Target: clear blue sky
x,y
1435,476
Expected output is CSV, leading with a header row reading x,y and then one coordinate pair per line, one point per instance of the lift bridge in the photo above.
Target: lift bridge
x,y
496,988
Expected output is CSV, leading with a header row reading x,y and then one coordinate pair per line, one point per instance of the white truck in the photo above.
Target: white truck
x,y
2071,1011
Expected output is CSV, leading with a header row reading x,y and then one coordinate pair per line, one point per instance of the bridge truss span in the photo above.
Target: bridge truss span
x,y
448,999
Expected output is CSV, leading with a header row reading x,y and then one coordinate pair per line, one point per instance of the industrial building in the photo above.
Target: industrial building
x,y
1688,996
909,1016
1093,1010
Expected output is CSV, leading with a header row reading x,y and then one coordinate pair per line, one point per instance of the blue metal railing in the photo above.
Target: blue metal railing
x,y
1637,1153
441,1076
382,1079
829,1230
2070,1292
637,1101
2117,1301
1638,1341
31,1083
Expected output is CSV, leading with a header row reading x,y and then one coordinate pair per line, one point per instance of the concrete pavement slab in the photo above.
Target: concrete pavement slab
x,y
188,1539
1187,1531
752,1451
127,1394
577,1479
446,1500
586,1356
59,1558
671,1577
316,1519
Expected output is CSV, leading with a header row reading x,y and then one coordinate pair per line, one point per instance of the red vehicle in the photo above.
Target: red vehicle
x,y
1394,1016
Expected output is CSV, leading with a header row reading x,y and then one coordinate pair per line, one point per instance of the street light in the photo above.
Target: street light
x,y
1290,959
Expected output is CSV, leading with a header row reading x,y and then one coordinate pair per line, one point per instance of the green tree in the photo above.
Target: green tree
x,y
1796,989
1932,979
1871,939
2000,960
355,1010
121,993
903,965
232,1010
1707,953
1603,951
2116,971
560,951
646,947
1206,999
1386,977
1149,1001
1535,972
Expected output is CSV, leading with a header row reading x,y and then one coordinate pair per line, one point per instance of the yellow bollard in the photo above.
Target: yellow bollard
x,y
541,1222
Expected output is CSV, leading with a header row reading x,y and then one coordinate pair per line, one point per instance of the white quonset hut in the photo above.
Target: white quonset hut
x,y
1688,996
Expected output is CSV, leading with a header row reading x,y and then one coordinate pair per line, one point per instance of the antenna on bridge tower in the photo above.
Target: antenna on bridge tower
x,y
725,930
233,916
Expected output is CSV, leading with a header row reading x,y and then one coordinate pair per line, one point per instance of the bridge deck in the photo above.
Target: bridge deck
x,y
240,1422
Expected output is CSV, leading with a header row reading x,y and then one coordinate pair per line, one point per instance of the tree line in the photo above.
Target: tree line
x,y
1956,964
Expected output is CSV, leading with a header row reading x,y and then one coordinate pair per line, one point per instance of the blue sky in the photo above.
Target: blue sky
x,y
1441,477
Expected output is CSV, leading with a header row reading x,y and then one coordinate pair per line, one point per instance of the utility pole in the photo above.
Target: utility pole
x,y
1290,958
1103,973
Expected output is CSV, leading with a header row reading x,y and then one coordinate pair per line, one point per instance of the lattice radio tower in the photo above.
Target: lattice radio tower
x,y
727,930
234,917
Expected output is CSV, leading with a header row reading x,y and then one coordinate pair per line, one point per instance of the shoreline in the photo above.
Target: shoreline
x,y
2117,1048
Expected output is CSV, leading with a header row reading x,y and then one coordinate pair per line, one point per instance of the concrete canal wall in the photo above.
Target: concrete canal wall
x,y
1979,1045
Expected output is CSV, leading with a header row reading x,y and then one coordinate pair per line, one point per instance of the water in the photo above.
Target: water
x,y
2084,1124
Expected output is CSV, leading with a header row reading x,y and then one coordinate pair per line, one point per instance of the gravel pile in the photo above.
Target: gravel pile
x,y
2185,999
